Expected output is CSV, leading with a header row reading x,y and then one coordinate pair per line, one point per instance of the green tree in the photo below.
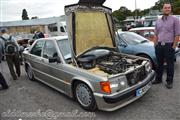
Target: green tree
x,y
122,13
176,7
158,5
145,11
24,15
137,13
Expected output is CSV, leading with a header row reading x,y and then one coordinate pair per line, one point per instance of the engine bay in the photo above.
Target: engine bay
x,y
108,61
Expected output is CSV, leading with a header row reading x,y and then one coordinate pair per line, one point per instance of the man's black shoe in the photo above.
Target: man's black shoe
x,y
156,82
169,85
3,88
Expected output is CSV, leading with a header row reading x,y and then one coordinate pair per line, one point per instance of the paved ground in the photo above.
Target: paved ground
x,y
27,100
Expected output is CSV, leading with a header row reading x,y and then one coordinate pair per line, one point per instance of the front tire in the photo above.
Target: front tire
x,y
85,97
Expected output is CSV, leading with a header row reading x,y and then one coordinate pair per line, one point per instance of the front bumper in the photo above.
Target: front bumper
x,y
117,100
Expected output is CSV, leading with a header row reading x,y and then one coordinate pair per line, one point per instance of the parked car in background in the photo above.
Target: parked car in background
x,y
147,32
87,66
134,44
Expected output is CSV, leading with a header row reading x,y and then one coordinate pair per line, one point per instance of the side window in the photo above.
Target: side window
x,y
62,29
49,50
146,33
152,33
52,28
37,49
140,32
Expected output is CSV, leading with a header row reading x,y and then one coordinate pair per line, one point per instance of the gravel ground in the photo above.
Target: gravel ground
x,y
27,100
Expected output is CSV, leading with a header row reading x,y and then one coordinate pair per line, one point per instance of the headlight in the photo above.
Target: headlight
x,y
119,83
148,67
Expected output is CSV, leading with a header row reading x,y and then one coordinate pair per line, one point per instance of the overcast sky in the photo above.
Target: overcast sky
x,y
11,10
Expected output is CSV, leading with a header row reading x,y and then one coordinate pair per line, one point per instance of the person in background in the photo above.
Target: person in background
x,y
2,79
12,54
38,34
167,30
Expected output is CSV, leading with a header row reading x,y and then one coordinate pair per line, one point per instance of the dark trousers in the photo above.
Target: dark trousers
x,y
3,81
13,60
165,53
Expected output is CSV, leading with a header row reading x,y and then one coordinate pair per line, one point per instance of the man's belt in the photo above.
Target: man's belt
x,y
164,43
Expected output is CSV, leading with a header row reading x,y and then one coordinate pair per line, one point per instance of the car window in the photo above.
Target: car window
x,y
146,34
62,29
152,33
64,48
133,38
37,48
49,50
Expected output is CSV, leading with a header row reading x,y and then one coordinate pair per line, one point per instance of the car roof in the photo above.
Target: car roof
x,y
120,32
142,28
55,38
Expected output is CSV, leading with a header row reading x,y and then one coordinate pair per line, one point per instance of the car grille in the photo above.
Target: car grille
x,y
136,76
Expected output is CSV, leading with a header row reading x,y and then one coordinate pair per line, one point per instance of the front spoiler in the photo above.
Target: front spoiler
x,y
117,100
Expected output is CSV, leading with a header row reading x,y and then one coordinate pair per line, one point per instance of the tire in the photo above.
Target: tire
x,y
30,73
84,96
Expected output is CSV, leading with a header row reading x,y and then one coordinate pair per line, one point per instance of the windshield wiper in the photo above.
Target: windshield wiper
x,y
143,41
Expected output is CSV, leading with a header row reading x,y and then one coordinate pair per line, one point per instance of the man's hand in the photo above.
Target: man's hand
x,y
174,46
155,41
175,42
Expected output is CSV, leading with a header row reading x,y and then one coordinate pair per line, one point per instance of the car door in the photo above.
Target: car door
x,y
35,58
53,71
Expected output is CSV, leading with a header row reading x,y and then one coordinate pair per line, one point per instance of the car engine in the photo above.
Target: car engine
x,y
108,61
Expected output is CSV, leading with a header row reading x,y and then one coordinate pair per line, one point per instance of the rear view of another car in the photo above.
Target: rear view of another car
x,y
147,32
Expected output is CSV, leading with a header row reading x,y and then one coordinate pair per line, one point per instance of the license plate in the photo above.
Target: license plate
x,y
143,90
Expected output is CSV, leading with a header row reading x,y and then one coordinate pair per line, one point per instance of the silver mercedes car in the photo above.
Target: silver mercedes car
x,y
85,65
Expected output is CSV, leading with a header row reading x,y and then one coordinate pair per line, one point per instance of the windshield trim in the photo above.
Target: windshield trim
x,y
140,38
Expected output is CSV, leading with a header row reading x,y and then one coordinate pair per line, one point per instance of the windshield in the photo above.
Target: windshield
x,y
149,23
133,38
64,48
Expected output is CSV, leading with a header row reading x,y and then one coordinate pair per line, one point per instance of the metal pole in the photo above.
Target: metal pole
x,y
135,9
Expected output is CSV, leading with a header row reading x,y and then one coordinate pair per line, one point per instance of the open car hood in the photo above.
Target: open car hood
x,y
88,26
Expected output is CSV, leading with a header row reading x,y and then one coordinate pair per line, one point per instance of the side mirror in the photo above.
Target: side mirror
x,y
54,59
